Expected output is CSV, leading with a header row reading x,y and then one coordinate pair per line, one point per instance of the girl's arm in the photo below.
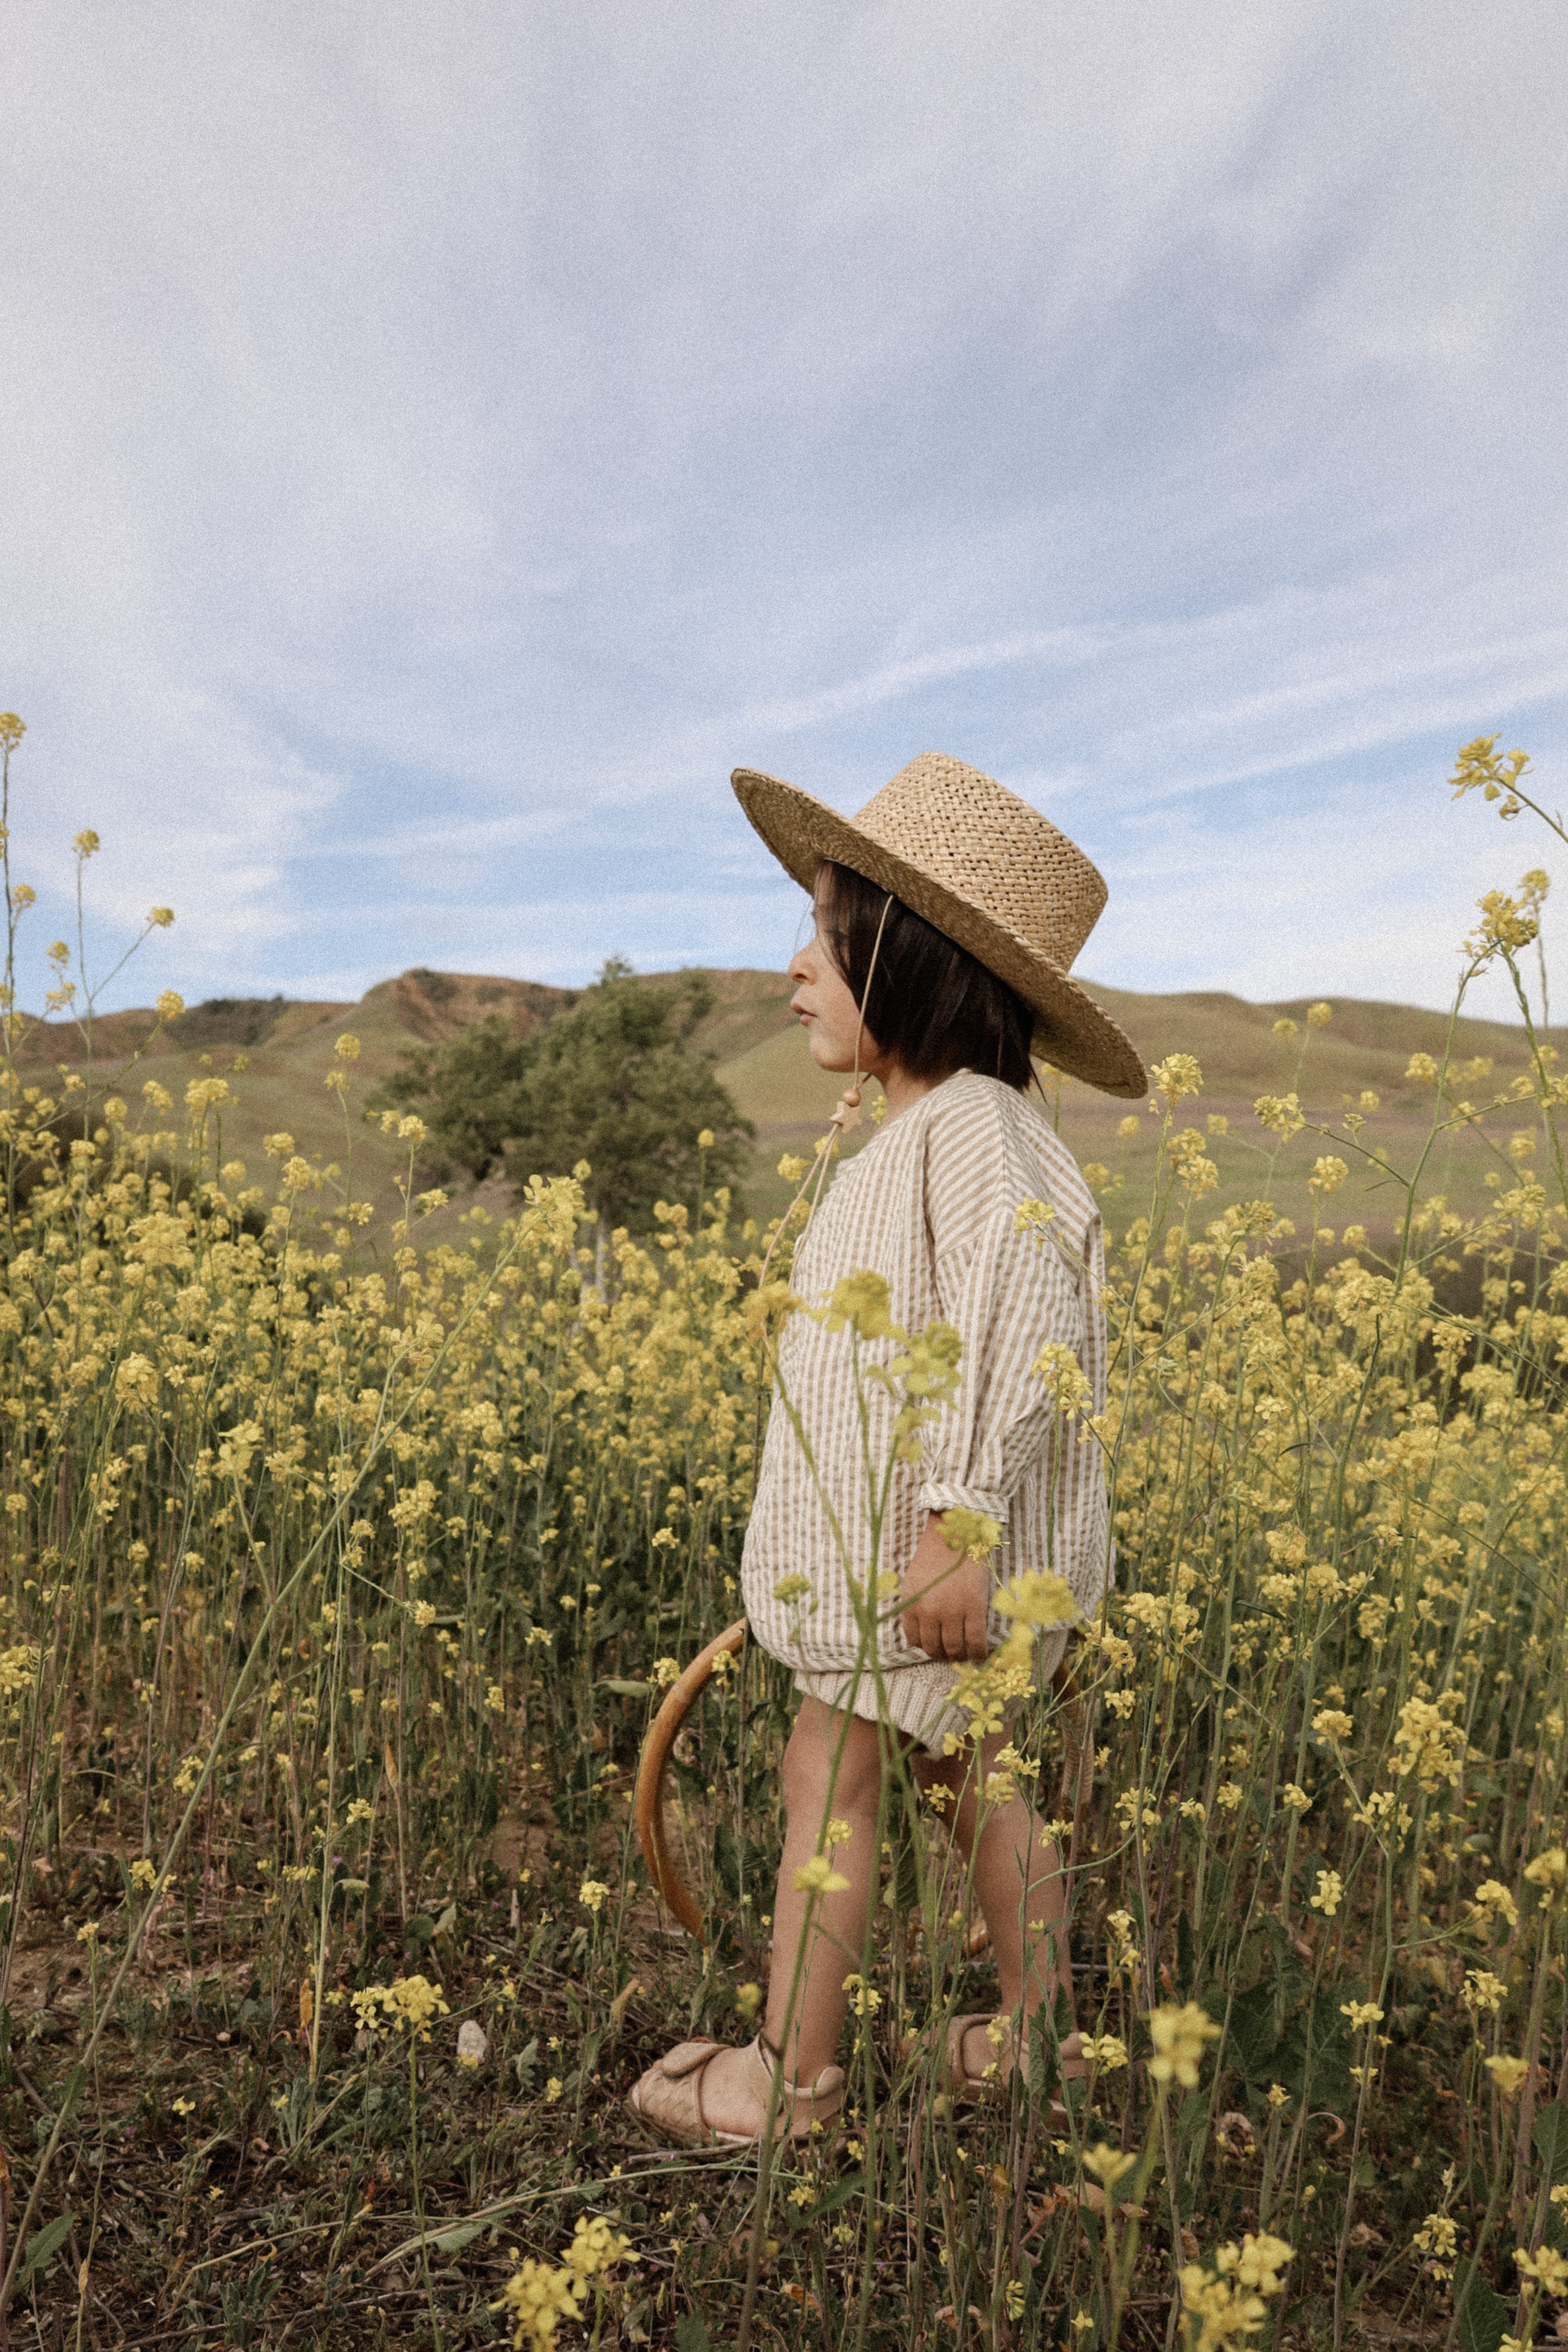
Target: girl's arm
x,y
950,1598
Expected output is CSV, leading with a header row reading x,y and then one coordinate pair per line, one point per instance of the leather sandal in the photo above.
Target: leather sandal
x,y
962,2083
669,2097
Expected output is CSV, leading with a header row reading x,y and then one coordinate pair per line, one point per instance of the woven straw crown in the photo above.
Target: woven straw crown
x,y
982,866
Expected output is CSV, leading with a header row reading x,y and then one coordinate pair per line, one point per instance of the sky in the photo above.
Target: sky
x,y
440,444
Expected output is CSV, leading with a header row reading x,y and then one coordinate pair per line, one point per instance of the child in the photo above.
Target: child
x,y
948,913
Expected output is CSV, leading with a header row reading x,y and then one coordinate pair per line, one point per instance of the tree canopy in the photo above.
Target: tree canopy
x,y
615,1080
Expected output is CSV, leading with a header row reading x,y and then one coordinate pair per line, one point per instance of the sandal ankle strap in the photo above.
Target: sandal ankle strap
x,y
818,2089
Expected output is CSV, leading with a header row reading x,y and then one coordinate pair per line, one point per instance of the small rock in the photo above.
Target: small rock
x,y
472,2047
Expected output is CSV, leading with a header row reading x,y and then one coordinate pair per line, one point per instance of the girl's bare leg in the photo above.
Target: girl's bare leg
x,y
846,1792
1018,1882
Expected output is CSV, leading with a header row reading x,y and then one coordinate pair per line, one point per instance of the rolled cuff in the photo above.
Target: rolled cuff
x,y
937,1497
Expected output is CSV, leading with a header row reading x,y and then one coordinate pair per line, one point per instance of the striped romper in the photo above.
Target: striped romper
x,y
931,1204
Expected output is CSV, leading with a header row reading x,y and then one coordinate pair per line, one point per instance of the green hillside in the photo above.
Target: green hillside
x,y
276,1055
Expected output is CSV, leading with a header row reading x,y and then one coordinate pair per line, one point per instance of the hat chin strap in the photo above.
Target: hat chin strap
x,y
849,1100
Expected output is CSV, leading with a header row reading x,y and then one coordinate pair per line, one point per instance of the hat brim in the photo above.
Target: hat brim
x,y
1070,1030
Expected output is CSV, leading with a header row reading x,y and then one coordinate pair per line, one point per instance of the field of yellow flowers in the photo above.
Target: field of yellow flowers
x,y
339,1591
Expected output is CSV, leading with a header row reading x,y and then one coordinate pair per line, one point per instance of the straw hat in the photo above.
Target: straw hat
x,y
983,867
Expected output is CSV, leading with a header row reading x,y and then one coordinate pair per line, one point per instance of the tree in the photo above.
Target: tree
x,y
467,1092
615,1081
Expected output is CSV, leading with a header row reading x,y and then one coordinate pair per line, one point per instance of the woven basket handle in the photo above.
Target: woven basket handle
x,y
661,1737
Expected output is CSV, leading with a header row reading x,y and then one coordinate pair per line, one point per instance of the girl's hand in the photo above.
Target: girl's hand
x,y
947,1599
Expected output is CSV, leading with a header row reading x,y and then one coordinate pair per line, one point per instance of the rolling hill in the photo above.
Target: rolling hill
x,y
276,1055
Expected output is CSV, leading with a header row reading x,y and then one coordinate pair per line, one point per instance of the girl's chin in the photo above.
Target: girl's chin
x,y
829,1058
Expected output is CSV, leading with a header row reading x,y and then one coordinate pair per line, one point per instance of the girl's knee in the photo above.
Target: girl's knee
x,y
827,1763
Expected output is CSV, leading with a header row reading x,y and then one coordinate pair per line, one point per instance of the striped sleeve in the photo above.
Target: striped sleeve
x,y
1007,1296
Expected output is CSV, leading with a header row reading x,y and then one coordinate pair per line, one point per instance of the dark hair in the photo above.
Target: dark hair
x,y
931,1004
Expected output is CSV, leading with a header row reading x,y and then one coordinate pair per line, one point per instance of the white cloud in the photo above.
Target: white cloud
x,y
440,445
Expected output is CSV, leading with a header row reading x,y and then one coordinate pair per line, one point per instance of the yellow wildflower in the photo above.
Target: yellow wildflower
x,y
1179,2036
1493,1901
1483,1993
819,1876
1545,2268
1036,1597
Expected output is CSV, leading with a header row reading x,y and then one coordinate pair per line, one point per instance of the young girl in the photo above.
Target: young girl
x,y
948,913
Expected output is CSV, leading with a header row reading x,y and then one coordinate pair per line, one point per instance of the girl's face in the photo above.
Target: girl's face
x,y
826,1005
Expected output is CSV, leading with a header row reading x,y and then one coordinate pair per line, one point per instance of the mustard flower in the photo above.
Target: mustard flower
x,y
1221,2308
1545,2269
594,2249
1108,2164
1494,1901
819,1876
1036,1597
1180,2035
136,1381
1258,2261
1177,1076
537,2297
1428,1745
1483,1993
408,2001
1064,1381
1548,1871
860,1303
1281,1114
